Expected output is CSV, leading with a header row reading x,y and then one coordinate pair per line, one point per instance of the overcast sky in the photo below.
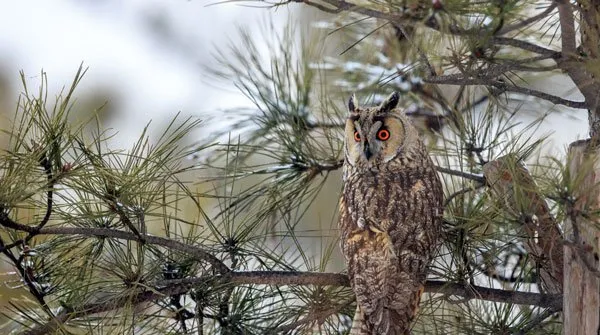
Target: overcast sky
x,y
146,56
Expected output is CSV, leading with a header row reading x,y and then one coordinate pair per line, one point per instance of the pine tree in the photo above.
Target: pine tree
x,y
106,241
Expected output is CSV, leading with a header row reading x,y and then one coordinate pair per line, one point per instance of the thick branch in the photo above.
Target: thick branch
x,y
567,28
432,286
164,288
576,65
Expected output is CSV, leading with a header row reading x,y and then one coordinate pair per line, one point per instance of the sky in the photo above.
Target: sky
x,y
144,56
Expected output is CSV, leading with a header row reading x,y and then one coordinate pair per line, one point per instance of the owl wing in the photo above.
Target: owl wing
x,y
387,294
387,264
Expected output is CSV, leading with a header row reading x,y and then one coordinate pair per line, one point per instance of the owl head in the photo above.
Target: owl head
x,y
377,135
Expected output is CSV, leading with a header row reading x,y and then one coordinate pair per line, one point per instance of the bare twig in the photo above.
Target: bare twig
x,y
475,177
459,79
542,95
528,21
29,283
324,125
47,166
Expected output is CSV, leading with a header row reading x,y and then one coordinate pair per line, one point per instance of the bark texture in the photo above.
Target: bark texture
x,y
582,280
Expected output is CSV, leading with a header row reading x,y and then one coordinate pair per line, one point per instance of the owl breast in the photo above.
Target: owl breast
x,y
406,204
390,226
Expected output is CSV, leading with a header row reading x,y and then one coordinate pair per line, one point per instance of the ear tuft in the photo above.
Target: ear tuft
x,y
390,103
352,104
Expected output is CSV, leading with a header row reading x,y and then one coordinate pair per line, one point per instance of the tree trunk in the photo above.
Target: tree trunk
x,y
581,303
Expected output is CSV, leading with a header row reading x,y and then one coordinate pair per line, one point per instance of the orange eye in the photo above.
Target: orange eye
x,y
356,136
383,135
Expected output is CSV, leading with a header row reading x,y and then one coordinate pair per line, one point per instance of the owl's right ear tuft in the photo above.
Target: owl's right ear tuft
x,y
390,103
352,104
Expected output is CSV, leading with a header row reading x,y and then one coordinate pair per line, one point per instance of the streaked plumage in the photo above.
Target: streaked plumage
x,y
390,216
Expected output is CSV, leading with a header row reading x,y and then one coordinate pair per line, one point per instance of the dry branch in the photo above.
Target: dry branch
x,y
513,184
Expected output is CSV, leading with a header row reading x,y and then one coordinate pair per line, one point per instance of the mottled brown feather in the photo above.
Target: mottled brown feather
x,y
390,223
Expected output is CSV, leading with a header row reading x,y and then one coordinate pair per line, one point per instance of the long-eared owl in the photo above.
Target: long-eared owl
x,y
390,216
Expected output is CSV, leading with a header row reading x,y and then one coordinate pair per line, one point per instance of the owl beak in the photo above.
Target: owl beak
x,y
367,151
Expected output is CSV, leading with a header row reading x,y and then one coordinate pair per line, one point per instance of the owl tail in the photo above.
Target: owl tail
x,y
359,326
394,322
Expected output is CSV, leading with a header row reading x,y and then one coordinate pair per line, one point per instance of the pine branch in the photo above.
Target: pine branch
x,y
317,315
163,288
524,45
342,5
198,253
460,79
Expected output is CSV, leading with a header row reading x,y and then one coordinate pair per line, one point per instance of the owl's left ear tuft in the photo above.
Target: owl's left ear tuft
x,y
390,103
352,104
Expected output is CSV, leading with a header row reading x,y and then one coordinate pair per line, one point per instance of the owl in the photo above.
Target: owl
x,y
390,216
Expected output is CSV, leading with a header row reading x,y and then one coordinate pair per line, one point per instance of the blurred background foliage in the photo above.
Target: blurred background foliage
x,y
257,187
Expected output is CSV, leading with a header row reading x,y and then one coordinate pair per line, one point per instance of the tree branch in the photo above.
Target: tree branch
x,y
528,21
459,79
513,42
196,252
567,28
475,177
542,95
165,288
575,65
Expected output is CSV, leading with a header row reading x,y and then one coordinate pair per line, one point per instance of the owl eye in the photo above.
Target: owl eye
x,y
383,134
356,136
